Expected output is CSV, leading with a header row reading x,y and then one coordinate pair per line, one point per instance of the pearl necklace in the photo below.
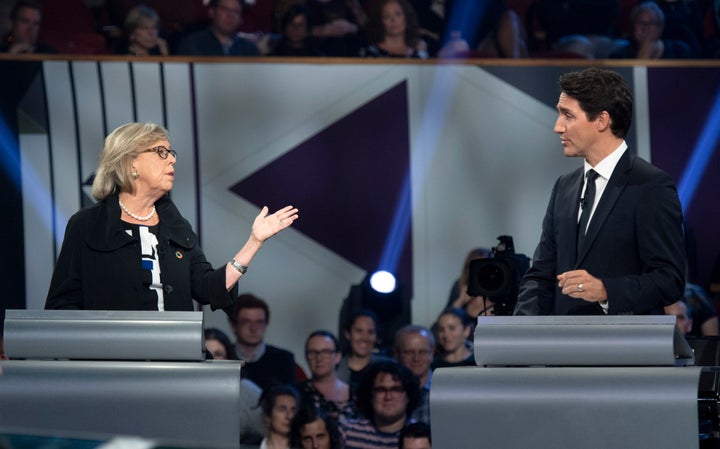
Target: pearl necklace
x,y
137,217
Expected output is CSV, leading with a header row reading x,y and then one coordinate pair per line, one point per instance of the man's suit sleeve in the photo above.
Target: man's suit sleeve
x,y
661,248
537,288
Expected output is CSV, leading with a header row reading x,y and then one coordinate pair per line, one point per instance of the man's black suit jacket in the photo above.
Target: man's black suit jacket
x,y
634,244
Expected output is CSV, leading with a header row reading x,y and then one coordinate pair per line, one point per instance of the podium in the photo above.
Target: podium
x,y
114,373
570,382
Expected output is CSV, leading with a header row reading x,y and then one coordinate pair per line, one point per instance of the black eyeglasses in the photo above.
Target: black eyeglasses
x,y
161,151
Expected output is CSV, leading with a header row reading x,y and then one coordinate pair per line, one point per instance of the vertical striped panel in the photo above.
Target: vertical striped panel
x,y
179,107
642,112
116,89
37,217
61,122
91,126
147,86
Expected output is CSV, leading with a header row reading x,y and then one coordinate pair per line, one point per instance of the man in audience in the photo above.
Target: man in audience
x,y
264,364
386,395
221,37
415,435
414,348
25,19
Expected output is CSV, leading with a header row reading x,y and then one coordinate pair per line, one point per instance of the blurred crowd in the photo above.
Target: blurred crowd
x,y
589,29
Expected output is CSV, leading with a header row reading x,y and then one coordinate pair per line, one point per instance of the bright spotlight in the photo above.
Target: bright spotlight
x,y
382,282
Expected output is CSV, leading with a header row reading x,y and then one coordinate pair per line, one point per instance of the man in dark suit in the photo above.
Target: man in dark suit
x,y
612,238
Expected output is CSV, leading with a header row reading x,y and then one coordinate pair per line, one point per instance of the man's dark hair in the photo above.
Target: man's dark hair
x,y
598,90
24,4
415,429
409,381
307,415
247,301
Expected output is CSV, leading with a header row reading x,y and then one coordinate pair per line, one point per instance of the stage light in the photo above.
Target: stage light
x,y
383,281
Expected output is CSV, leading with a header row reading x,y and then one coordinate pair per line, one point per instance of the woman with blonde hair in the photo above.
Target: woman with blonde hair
x,y
133,250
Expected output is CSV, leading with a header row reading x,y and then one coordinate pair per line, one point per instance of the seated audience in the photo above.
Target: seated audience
x,y
142,37
279,403
361,333
647,41
392,31
264,364
414,348
386,396
296,39
481,29
314,429
25,18
336,25
704,315
454,330
251,420
324,390
683,315
221,37
415,435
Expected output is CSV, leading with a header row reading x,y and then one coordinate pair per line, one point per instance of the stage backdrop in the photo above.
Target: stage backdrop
x,y
407,166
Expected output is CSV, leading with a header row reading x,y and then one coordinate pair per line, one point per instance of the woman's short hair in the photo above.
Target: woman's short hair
x,y
270,394
137,16
216,334
121,147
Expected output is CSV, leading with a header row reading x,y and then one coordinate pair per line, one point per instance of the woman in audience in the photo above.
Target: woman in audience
x,y
392,32
361,332
279,404
324,390
219,345
459,297
454,328
296,39
142,26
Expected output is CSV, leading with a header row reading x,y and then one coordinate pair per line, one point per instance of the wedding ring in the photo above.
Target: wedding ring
x,y
580,288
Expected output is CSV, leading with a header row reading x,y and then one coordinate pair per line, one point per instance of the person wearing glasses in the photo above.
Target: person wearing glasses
x,y
133,250
386,396
415,348
324,390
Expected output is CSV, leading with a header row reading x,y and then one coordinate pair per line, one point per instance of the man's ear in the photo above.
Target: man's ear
x,y
603,121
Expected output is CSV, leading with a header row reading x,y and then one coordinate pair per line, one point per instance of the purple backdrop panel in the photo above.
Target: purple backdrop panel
x,y
347,182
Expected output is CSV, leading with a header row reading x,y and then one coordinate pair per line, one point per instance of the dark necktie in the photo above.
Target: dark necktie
x,y
586,203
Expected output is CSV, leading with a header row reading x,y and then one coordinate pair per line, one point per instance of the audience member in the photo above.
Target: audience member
x,y
142,37
414,348
415,435
392,31
279,403
386,396
480,29
647,42
264,364
296,39
314,429
251,419
25,18
704,314
336,26
324,390
459,297
221,37
683,315
579,25
361,333
454,330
